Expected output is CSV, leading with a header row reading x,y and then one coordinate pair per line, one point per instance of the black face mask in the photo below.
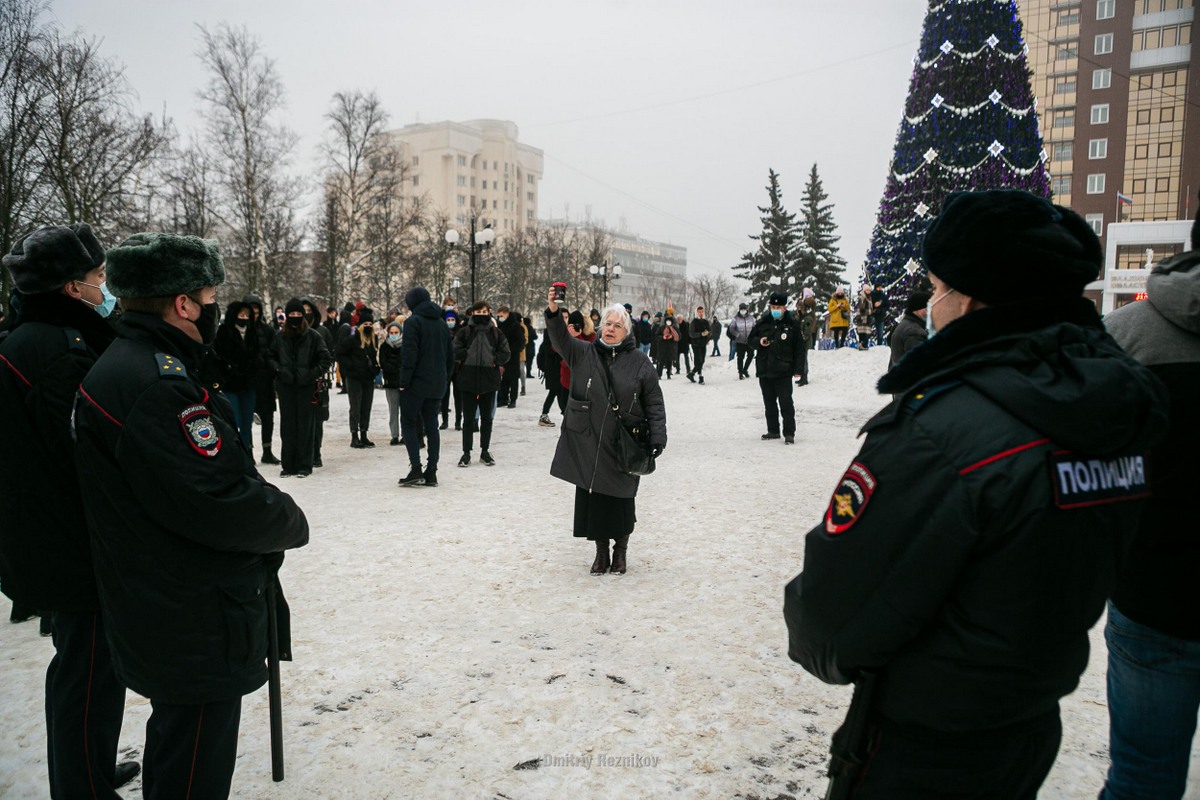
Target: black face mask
x,y
295,322
481,319
241,324
209,320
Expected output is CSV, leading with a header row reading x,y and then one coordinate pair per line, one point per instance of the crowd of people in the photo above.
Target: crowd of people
x,y
980,532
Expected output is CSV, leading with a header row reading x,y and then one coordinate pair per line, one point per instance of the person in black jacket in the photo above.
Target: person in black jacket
x,y
550,364
303,362
45,557
426,361
911,330
358,354
779,357
971,544
312,313
643,332
264,382
187,538
235,351
880,305
389,365
480,355
699,333
509,324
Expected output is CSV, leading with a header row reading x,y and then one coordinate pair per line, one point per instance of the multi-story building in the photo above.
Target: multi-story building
x,y
476,167
1117,87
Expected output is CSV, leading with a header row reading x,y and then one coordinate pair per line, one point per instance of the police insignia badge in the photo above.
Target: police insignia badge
x,y
849,499
200,430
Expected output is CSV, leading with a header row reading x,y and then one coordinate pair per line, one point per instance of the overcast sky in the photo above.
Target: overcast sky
x,y
662,115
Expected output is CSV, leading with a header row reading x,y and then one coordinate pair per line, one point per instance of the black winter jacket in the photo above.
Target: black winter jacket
x,y
45,558
909,333
187,537
389,364
973,541
427,353
479,352
511,328
356,360
236,355
786,349
303,358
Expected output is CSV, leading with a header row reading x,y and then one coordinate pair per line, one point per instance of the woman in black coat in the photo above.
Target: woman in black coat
x,y
235,351
389,364
587,447
358,353
303,362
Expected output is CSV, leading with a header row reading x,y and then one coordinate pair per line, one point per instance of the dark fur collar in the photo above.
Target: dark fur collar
x,y
55,308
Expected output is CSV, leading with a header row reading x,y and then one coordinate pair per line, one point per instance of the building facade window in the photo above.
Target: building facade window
x,y
1097,223
1101,78
1062,151
1066,86
462,180
1098,148
1069,17
529,179
1162,184
462,161
416,180
1060,184
1164,149
416,161
1104,44
1100,114
1141,151
1062,118
1067,51
1106,9
462,199
1095,183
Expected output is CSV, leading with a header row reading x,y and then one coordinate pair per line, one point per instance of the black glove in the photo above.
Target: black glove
x,y
656,450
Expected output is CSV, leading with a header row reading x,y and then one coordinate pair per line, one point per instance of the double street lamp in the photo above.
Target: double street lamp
x,y
603,274
477,240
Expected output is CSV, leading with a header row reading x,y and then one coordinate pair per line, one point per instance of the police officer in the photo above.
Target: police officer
x,y
187,537
971,544
780,355
45,560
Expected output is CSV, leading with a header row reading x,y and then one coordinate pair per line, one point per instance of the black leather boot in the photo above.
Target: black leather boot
x,y
600,565
618,555
355,442
365,441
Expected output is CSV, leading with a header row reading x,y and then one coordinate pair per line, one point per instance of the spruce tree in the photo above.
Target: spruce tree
x,y
767,266
970,122
818,264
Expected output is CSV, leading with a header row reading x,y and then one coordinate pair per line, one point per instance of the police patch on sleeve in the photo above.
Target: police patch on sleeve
x,y
1080,481
200,430
849,499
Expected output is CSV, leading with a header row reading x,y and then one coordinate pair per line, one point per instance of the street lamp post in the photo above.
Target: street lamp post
x,y
603,274
478,240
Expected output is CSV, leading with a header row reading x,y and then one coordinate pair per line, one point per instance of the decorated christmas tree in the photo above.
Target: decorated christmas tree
x,y
970,122
767,266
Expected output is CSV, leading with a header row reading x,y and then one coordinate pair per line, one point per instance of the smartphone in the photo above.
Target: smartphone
x,y
560,291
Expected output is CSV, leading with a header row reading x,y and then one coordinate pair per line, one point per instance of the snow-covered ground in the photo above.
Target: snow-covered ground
x,y
450,642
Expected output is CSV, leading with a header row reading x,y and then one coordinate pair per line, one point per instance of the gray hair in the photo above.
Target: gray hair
x,y
622,313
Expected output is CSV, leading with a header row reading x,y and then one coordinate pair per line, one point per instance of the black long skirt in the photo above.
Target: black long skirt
x,y
602,516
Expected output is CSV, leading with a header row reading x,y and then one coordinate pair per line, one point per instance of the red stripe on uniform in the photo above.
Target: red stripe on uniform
x,y
100,408
24,380
195,750
999,456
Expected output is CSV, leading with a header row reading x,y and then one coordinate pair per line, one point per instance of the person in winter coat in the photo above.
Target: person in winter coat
x,y
699,332
864,318
809,323
880,307
303,362
426,361
715,335
454,323
685,343
45,556
910,331
550,363
738,331
839,317
264,381
971,544
235,351
359,357
780,357
612,367
1153,626
668,347
509,324
480,355
644,331
312,313
531,336
186,537
389,364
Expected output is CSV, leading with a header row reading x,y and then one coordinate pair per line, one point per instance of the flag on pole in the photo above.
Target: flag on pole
x,y
1122,199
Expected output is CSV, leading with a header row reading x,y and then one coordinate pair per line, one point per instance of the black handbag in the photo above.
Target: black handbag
x,y
633,444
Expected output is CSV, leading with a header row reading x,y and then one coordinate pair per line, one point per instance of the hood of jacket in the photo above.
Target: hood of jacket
x,y
231,311
1052,366
429,309
1173,288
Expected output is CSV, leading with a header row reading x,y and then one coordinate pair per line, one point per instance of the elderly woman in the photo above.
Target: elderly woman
x,y
587,454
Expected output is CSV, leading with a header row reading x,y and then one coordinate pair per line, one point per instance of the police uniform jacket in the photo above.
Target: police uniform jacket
x,y
45,561
971,544
784,356
186,535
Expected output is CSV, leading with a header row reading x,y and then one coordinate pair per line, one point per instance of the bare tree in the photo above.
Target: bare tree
x,y
243,95
188,194
715,292
392,233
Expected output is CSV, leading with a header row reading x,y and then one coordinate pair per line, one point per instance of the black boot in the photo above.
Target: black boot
x,y
414,476
618,556
355,442
365,441
445,421
430,476
600,565
268,457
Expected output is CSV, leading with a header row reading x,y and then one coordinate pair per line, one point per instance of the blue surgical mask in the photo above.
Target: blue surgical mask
x,y
107,304
929,331
776,314
394,338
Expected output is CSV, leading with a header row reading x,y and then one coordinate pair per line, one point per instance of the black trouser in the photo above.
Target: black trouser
x,y
362,395
1009,764
322,414
264,406
485,403
699,351
745,358
297,427
554,392
508,383
414,412
84,706
684,350
839,336
190,750
777,399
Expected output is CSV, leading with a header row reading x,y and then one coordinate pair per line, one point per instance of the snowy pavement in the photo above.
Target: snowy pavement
x,y
450,642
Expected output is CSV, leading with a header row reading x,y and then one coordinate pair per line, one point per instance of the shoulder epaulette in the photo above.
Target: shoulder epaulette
x,y
169,366
75,339
917,401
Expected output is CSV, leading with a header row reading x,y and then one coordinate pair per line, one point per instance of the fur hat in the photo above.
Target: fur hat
x,y
366,314
1003,245
45,259
778,299
162,265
